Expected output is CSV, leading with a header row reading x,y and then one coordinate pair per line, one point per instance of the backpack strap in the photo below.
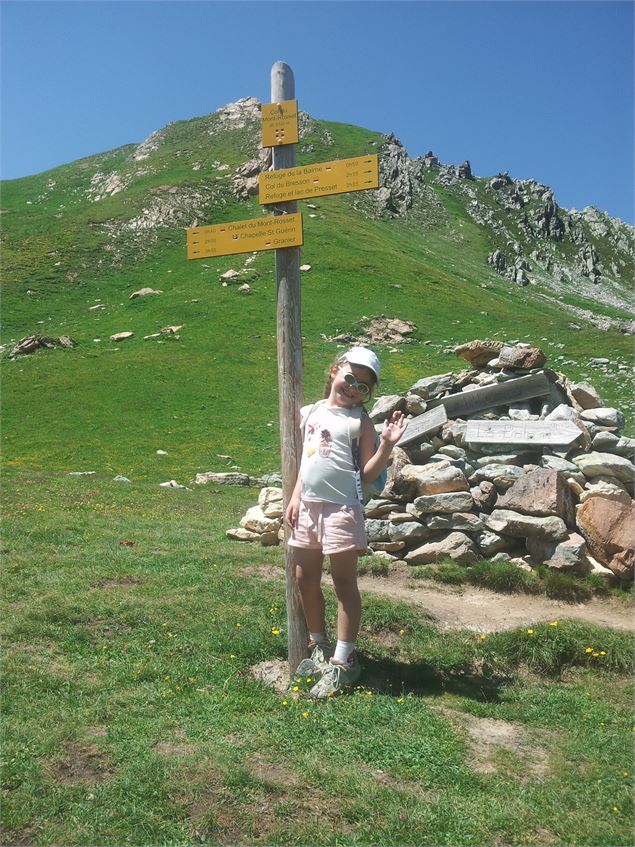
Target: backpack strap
x,y
355,423
306,412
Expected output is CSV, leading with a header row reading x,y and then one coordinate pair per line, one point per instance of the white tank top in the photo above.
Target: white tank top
x,y
327,470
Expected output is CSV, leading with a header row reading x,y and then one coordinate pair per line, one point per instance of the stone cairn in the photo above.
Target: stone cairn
x,y
569,507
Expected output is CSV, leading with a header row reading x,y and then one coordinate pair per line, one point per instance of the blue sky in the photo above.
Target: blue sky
x,y
541,89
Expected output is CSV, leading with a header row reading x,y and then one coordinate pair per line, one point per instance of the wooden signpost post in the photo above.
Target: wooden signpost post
x,y
284,186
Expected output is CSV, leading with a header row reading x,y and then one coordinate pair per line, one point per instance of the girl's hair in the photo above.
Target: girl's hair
x,y
341,360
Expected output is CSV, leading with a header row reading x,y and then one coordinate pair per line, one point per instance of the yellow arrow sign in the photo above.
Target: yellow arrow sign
x,y
244,236
279,123
337,177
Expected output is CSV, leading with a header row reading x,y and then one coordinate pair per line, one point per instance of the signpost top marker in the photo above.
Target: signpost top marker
x,y
282,83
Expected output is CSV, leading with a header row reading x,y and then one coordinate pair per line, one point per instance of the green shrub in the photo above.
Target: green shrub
x,y
550,648
561,586
597,584
448,573
372,566
504,576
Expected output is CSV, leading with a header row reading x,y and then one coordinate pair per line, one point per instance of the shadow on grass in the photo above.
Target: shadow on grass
x,y
423,679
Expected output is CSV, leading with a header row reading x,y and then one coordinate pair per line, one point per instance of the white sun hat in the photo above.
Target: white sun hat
x,y
364,357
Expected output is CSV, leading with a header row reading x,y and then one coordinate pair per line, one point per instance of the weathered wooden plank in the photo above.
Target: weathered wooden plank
x,y
423,424
490,396
521,432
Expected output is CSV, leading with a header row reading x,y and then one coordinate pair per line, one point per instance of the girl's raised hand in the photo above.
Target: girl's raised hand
x,y
394,428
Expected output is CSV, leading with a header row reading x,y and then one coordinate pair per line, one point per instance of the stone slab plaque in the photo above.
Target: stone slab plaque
x,y
521,432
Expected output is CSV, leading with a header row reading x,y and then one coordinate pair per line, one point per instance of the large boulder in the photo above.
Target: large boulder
x,y
604,416
433,386
378,530
255,520
459,521
585,395
435,478
541,492
609,529
606,464
270,501
503,476
507,522
225,478
385,406
447,503
397,487
479,353
521,357
490,542
608,442
567,555
456,546
408,531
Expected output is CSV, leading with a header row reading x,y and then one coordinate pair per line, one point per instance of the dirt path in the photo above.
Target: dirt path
x,y
478,609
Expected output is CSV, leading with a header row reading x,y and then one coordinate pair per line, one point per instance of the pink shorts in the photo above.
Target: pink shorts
x,y
329,527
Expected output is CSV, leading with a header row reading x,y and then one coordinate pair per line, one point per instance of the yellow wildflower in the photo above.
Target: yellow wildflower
x,y
589,650
553,623
296,688
530,632
305,714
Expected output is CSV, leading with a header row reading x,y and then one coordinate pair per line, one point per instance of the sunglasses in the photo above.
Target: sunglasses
x,y
349,378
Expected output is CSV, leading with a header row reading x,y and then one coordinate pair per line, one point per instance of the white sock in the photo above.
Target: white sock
x,y
343,650
319,637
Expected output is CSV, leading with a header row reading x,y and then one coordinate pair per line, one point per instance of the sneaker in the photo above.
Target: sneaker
x,y
317,663
336,677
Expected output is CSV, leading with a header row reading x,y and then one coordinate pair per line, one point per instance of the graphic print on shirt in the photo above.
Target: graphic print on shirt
x,y
315,431
326,440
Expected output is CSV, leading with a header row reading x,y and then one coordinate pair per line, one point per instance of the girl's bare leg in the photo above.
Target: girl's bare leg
x,y
349,603
308,573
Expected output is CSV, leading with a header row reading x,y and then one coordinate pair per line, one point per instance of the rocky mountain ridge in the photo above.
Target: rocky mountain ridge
x,y
212,161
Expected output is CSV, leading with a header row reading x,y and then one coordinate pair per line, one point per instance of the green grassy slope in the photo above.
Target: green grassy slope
x,y
108,407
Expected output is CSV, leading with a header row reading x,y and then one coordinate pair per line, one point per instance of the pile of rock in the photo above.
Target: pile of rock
x,y
381,330
569,506
31,343
262,522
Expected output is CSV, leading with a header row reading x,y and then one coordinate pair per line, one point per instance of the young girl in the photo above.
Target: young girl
x,y
325,513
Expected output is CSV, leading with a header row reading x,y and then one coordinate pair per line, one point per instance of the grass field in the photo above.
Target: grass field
x,y
131,716
132,626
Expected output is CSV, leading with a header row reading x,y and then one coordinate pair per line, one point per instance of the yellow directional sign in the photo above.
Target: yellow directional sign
x,y
337,177
279,123
244,236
